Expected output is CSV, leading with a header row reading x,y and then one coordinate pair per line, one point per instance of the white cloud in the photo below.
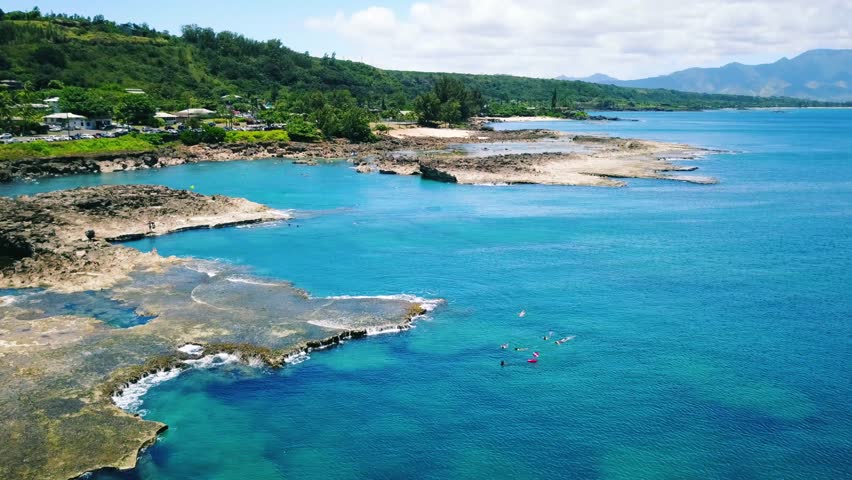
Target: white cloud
x,y
545,38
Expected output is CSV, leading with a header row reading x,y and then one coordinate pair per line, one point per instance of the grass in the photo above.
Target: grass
x,y
257,137
42,149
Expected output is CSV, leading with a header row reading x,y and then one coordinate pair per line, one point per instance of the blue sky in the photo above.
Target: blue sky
x,y
542,38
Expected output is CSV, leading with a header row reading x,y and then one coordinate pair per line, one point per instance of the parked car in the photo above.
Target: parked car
x,y
85,136
5,136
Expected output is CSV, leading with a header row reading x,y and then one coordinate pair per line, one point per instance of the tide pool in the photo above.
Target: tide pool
x,y
712,323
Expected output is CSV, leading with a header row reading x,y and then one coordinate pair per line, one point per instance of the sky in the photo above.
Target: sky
x,y
539,38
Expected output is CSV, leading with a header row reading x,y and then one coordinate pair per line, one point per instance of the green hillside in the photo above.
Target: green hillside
x,y
199,66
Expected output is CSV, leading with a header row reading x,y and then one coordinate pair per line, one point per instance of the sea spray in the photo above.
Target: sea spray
x,y
130,397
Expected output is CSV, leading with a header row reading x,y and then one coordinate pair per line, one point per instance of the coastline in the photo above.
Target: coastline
x,y
412,151
95,362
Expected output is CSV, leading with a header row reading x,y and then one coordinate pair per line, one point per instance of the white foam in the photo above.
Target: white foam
x,y
373,331
254,282
296,358
205,267
210,361
130,398
191,349
283,214
425,303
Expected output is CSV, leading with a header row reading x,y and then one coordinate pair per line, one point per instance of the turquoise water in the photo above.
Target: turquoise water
x,y
712,323
42,304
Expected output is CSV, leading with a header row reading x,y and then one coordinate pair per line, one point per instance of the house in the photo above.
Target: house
x,y
11,84
53,102
195,113
66,121
98,123
167,118
134,91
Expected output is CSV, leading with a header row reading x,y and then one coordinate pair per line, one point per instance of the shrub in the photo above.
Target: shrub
x,y
206,134
269,136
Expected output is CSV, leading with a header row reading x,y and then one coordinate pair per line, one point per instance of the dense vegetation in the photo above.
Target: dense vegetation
x,y
89,62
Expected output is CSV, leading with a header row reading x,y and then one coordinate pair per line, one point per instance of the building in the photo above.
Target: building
x,y
134,91
195,113
11,84
53,103
99,123
167,118
66,121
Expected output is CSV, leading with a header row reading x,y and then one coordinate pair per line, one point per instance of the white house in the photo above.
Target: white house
x,y
195,113
167,118
67,121
134,91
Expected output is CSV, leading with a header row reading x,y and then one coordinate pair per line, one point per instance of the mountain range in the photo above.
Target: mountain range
x,y
816,75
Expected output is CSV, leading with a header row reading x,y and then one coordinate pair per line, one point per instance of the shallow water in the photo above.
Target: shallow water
x,y
41,304
712,322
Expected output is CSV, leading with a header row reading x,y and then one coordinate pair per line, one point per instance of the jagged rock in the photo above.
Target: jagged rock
x,y
431,173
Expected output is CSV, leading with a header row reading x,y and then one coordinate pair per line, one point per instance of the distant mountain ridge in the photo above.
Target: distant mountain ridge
x,y
816,75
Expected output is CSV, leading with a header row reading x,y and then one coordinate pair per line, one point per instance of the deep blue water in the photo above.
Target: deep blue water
x,y
712,323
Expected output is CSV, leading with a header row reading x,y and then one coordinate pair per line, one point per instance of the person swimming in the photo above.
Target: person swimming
x,y
566,339
502,363
520,349
504,346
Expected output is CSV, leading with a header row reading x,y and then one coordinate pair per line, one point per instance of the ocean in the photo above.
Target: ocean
x,y
712,324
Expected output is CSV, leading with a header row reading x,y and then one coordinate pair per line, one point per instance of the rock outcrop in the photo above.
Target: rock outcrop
x,y
43,239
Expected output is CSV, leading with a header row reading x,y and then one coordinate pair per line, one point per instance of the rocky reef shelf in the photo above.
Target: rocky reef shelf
x,y
60,370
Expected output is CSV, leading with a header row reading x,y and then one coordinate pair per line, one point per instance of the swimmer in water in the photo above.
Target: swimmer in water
x,y
504,346
502,363
519,349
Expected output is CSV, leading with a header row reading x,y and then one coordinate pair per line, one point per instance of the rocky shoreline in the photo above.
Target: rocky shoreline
x,y
578,160
35,168
65,240
59,373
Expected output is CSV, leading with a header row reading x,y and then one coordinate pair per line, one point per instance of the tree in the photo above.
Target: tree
x,y
301,131
6,105
84,102
427,107
449,101
355,125
137,109
553,100
50,55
